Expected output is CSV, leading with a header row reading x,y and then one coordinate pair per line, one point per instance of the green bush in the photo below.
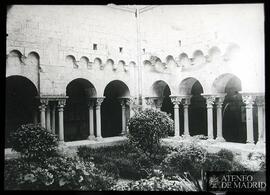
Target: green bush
x,y
34,142
128,162
188,157
214,162
158,184
226,154
57,173
147,127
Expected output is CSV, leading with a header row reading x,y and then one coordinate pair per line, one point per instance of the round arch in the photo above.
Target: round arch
x,y
197,108
233,111
76,119
21,104
111,110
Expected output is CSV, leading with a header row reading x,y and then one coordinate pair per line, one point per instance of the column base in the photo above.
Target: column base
x,y
220,139
98,138
260,144
177,137
186,136
61,143
91,137
250,144
122,133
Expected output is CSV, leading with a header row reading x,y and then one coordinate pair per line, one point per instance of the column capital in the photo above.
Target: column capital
x,y
159,102
99,101
186,99
91,102
260,100
220,99
210,99
248,99
61,103
122,102
129,101
150,101
44,101
176,100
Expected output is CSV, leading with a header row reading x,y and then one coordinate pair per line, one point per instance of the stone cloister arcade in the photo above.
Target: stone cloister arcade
x,y
81,114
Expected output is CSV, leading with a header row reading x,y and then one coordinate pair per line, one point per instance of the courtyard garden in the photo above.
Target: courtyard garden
x,y
142,163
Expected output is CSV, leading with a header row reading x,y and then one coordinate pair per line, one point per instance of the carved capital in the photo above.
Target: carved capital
x,y
159,102
220,99
186,100
122,102
61,103
248,100
129,101
99,101
176,100
210,100
44,101
260,100
150,101
91,102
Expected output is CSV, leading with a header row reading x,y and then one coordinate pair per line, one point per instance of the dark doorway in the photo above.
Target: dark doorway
x,y
21,104
197,111
76,114
234,126
167,105
111,110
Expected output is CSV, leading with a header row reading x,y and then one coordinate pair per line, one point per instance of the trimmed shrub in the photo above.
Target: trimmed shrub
x,y
147,127
34,142
226,154
188,157
57,173
214,162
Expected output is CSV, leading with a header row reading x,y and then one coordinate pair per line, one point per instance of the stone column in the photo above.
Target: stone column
x,y
42,107
98,117
91,119
48,118
150,101
61,104
159,101
53,118
249,101
219,103
260,101
129,103
123,105
210,99
186,102
176,100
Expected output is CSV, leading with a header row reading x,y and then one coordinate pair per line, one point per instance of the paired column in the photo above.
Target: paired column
x,y
186,102
219,102
61,104
53,118
249,101
210,99
48,118
91,119
98,117
176,100
42,107
260,101
123,105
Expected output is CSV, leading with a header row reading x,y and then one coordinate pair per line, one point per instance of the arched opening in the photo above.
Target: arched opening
x,y
233,111
162,90
76,114
197,108
111,110
21,105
